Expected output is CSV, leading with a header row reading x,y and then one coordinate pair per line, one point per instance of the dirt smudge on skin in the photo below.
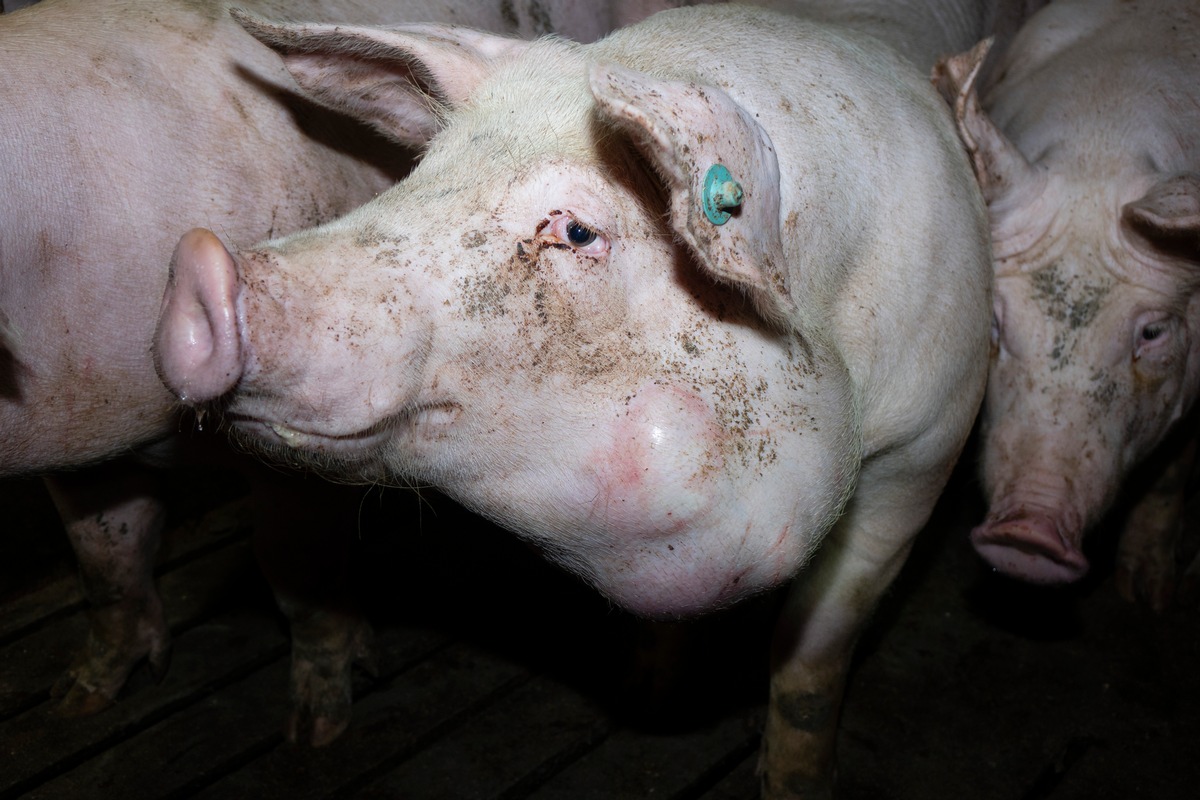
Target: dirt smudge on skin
x,y
1070,301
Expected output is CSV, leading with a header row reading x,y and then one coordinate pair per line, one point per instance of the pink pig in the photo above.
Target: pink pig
x,y
1087,146
124,123
693,320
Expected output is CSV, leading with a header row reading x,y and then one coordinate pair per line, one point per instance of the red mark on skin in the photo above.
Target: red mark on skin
x,y
783,535
654,476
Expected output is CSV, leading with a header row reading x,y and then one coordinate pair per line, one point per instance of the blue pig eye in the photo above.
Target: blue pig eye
x,y
580,235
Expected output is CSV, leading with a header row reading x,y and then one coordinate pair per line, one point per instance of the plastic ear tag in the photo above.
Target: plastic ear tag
x,y
721,192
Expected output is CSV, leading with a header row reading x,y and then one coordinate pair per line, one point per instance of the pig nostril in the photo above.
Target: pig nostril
x,y
197,345
1030,549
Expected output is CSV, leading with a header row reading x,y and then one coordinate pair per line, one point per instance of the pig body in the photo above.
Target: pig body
x,y
1087,145
125,123
544,320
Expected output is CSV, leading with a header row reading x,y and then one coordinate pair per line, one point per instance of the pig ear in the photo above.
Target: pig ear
x,y
1169,215
999,166
401,80
690,133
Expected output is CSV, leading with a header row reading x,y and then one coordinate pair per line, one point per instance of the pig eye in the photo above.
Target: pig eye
x,y
1153,332
581,237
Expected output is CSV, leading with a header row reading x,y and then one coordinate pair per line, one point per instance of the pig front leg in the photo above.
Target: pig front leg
x,y
826,609
114,518
1149,544
303,531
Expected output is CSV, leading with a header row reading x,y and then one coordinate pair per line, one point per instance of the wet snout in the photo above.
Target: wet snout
x,y
197,345
1032,547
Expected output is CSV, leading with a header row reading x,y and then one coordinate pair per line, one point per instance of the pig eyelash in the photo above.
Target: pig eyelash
x,y
1152,333
578,236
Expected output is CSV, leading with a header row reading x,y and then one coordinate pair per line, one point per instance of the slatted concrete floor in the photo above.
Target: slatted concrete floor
x,y
499,677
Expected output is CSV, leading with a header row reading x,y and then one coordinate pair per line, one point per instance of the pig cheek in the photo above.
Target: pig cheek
x,y
653,484
650,477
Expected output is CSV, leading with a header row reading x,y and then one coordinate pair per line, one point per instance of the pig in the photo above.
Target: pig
x,y
125,123
693,308
1087,146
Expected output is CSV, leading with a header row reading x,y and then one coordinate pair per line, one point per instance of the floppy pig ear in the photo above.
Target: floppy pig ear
x,y
999,166
1169,215
397,79
730,219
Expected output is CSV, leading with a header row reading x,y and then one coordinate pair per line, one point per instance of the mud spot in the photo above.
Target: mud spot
x,y
1068,299
806,711
1104,390
473,239
1072,301
689,345
509,14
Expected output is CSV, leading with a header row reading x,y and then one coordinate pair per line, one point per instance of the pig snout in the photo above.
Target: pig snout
x,y
197,344
1030,546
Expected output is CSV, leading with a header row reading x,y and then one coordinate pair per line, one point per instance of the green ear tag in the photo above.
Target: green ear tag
x,y
721,192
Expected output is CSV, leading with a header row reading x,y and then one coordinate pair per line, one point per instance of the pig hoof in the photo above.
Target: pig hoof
x,y
77,699
121,635
321,680
321,728
159,660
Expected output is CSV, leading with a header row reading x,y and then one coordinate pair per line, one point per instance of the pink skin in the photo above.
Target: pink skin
x,y
632,495
202,342
1094,210
89,221
1031,546
166,115
1072,407
542,320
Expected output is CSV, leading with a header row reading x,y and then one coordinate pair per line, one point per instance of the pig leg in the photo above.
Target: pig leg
x,y
302,537
114,518
1149,544
826,609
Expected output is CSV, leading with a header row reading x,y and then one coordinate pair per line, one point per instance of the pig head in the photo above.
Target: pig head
x,y
515,324
690,323
1087,151
660,404
122,123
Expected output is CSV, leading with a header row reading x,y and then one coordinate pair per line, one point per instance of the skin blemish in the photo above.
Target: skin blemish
x,y
1068,300
472,239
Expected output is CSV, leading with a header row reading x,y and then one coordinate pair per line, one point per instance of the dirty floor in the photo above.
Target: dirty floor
x,y
500,677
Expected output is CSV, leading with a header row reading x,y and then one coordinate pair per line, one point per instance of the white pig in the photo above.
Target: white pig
x,y
686,384
124,122
1087,146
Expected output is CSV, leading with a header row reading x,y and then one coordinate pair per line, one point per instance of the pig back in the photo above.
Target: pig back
x,y
1102,88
